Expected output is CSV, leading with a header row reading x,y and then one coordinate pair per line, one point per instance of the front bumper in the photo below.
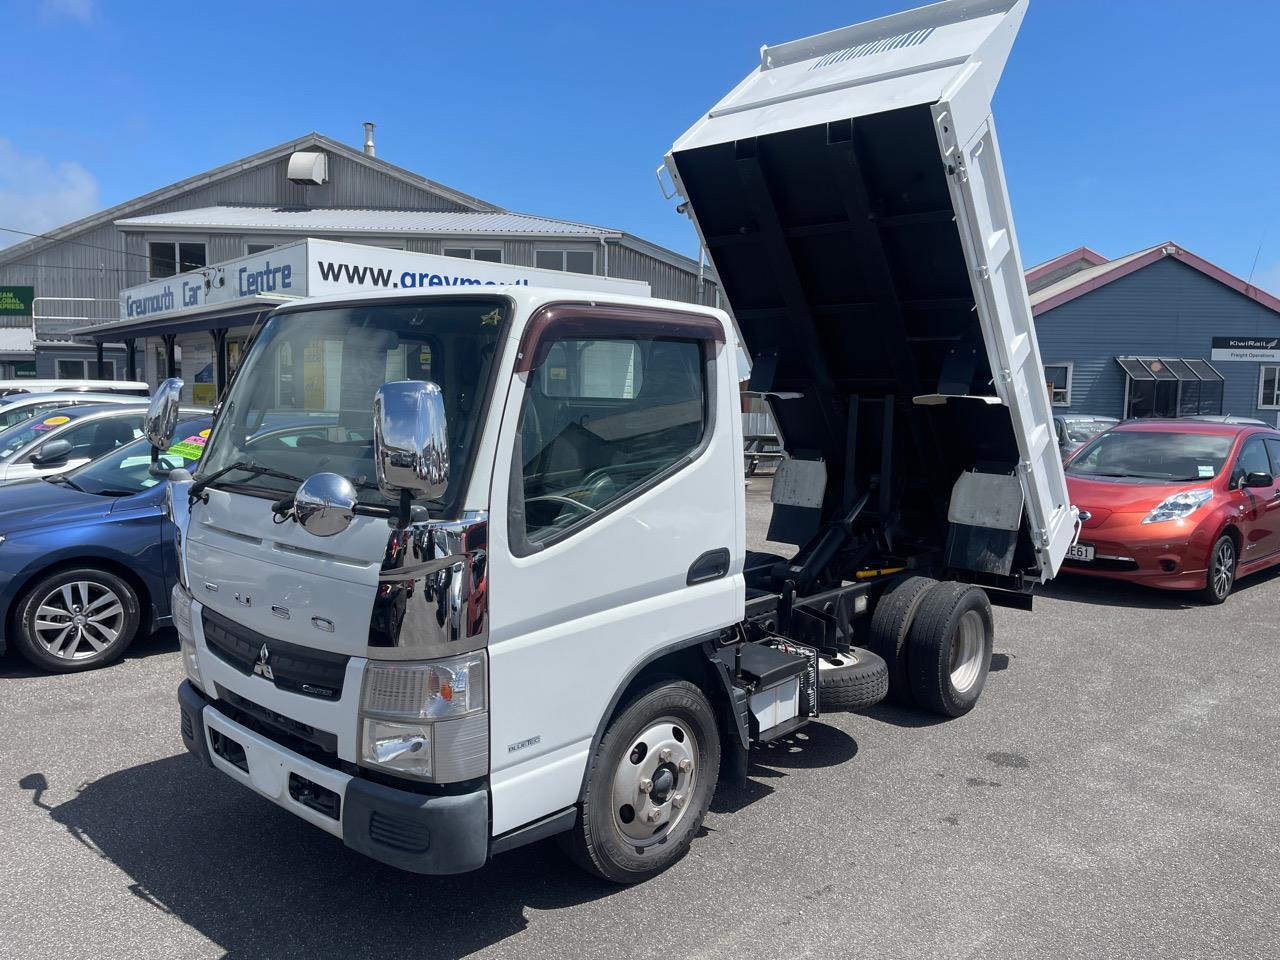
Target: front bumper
x,y
1172,557
410,831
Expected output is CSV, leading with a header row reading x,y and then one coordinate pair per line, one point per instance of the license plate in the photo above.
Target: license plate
x,y
1080,551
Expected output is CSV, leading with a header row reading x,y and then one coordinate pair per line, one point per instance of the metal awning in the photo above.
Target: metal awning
x,y
222,315
1164,368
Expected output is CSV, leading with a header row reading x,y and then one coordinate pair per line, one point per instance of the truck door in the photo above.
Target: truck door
x,y
618,504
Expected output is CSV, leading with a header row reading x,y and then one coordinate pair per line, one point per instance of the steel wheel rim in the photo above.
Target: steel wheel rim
x,y
967,646
78,620
1224,564
654,782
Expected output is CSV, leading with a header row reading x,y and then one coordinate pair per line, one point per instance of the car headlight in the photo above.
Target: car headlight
x,y
1180,505
426,719
180,603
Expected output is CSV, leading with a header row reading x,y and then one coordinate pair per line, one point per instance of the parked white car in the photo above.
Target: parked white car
x,y
66,438
133,388
18,407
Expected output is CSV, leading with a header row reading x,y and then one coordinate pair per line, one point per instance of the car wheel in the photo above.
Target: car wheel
x,y
649,786
949,649
77,620
1221,575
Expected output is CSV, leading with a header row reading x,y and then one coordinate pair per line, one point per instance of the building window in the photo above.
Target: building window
x,y
1057,377
251,248
1269,387
1170,388
86,370
165,258
487,254
570,261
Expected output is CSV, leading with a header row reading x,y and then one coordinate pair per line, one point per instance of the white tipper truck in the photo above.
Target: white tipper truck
x,y
460,571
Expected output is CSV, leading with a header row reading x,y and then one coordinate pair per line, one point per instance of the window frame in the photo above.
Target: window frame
x,y
1275,389
176,243
1069,366
471,251
1235,479
557,322
564,252
108,368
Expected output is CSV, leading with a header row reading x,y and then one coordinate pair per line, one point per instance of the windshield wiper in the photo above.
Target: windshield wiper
x,y
63,478
248,466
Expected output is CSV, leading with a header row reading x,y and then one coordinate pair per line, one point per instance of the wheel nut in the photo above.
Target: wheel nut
x,y
664,754
646,785
685,765
653,814
678,801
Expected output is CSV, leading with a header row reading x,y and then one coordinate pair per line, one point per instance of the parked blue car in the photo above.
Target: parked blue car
x,y
87,559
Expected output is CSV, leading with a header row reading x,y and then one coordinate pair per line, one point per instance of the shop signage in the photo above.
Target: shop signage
x,y
1246,348
281,272
16,301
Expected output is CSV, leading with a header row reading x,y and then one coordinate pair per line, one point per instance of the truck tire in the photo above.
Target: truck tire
x,y
853,682
949,648
890,624
649,784
77,619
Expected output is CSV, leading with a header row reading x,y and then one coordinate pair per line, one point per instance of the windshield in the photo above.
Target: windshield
x,y
1173,457
127,470
1078,431
9,416
302,402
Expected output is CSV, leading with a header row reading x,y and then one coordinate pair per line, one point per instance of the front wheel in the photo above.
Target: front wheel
x,y
1221,575
77,620
650,784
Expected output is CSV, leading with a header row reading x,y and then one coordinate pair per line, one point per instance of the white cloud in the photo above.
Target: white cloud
x,y
81,10
36,194
1268,278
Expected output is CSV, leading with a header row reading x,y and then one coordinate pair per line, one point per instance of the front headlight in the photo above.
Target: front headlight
x,y
1180,505
426,719
180,603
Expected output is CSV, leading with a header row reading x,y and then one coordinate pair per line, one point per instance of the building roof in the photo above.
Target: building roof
x,y
1085,281
16,339
1083,256
239,219
270,155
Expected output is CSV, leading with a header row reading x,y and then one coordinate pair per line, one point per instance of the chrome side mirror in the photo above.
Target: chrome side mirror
x,y
325,504
162,415
410,441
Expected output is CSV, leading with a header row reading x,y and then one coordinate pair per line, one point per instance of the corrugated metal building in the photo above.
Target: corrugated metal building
x,y
1160,332
252,204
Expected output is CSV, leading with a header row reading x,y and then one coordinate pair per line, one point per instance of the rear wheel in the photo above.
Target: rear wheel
x,y
1221,575
77,620
650,784
949,649
890,625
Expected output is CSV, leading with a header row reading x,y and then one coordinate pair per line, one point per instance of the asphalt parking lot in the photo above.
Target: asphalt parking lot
x,y
1114,795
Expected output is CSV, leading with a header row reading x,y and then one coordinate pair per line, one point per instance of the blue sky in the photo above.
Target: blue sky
x,y
1123,124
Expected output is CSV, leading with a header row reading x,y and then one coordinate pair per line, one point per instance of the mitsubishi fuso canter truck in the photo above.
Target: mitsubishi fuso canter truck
x,y
460,570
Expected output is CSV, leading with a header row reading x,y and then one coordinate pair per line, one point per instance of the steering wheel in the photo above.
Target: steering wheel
x,y
564,501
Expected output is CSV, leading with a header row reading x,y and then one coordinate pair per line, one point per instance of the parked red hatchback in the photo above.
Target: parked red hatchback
x,y
1177,504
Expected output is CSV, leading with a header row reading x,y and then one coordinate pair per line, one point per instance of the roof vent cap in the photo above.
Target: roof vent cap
x,y
308,166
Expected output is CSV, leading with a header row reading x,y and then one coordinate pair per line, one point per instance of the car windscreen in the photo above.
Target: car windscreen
x,y
1078,431
1148,455
302,402
15,414
127,469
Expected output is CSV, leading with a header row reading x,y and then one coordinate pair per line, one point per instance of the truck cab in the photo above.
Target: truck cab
x,y
463,571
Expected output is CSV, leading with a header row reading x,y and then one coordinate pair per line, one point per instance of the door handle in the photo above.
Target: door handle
x,y
712,565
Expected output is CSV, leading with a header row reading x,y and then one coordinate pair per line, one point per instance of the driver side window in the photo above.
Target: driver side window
x,y
603,417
